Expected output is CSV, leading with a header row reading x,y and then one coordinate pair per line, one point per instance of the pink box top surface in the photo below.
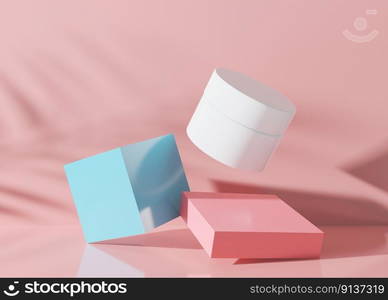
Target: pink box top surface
x,y
249,213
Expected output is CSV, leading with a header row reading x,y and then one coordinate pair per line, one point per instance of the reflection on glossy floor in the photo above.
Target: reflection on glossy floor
x,y
172,251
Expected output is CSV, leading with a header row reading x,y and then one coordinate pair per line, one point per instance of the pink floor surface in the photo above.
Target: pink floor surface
x,y
172,251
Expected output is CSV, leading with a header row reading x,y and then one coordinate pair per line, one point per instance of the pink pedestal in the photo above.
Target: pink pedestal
x,y
249,226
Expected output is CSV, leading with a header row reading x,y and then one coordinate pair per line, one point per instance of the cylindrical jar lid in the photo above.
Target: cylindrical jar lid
x,y
249,102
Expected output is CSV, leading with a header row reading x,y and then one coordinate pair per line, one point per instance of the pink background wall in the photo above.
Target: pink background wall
x,y
81,77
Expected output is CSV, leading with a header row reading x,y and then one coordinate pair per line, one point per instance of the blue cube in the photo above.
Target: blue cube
x,y
128,190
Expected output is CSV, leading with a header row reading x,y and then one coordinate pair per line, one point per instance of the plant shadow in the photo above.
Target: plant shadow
x,y
372,169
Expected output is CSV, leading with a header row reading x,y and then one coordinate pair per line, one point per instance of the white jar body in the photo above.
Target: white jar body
x,y
229,142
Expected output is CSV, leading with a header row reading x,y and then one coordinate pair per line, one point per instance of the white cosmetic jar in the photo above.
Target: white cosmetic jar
x,y
239,121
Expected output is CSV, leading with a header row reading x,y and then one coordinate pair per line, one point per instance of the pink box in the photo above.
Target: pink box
x,y
249,226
